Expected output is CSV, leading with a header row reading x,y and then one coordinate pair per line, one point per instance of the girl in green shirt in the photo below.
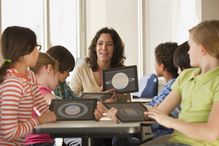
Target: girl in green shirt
x,y
196,90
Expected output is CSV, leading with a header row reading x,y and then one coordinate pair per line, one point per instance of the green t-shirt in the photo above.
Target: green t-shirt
x,y
64,91
198,92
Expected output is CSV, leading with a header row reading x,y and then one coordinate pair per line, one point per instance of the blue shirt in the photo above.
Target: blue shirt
x,y
157,129
164,92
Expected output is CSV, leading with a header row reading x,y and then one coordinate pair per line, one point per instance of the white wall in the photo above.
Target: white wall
x,y
210,9
159,28
162,21
118,14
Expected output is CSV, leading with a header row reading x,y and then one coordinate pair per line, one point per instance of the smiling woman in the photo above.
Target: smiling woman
x,y
106,51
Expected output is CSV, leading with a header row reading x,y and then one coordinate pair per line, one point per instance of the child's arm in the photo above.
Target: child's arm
x,y
170,102
204,131
48,97
15,113
40,103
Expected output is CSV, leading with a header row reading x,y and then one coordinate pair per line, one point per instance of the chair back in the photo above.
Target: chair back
x,y
151,87
148,86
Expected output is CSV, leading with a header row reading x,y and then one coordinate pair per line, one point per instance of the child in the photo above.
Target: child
x,y
19,92
165,68
197,92
66,64
46,70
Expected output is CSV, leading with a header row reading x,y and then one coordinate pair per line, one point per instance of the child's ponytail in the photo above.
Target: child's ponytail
x,y
4,68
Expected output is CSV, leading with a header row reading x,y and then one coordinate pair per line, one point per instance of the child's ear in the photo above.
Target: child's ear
x,y
49,68
162,67
203,50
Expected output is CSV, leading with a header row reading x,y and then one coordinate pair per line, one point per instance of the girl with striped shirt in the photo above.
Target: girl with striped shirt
x,y
19,92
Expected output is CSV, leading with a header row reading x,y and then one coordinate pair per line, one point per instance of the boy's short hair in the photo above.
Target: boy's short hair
x,y
63,56
164,54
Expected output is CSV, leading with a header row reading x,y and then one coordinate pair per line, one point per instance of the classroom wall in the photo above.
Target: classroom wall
x,y
162,21
210,9
159,24
118,14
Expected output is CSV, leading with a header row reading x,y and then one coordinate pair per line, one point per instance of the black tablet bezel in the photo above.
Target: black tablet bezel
x,y
91,95
89,104
130,71
133,105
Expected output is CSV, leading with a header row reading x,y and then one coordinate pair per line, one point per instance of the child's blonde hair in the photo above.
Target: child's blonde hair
x,y
44,60
206,33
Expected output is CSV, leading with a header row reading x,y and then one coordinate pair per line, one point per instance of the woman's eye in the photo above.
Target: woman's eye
x,y
109,44
100,44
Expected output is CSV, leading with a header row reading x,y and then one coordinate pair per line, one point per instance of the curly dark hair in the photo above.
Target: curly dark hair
x,y
164,54
118,52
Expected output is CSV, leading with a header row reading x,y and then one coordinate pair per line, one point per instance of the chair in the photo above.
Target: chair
x,y
148,86
151,87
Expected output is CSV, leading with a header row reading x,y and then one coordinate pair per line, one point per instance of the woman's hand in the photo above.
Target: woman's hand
x,y
112,99
119,97
159,117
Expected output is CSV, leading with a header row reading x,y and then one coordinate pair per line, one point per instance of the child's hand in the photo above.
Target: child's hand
x,y
99,111
101,107
112,114
48,97
98,114
47,117
161,118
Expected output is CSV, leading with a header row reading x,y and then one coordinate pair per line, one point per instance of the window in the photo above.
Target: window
x,y
54,21
24,13
63,16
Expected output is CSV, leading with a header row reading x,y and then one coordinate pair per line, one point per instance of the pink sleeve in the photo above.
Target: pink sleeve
x,y
44,90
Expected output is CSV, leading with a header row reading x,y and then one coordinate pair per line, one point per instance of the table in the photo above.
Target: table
x,y
88,129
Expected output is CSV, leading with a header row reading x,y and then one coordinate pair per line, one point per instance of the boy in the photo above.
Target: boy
x,y
66,64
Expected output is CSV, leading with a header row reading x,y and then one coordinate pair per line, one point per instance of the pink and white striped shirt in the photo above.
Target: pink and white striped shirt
x,y
18,96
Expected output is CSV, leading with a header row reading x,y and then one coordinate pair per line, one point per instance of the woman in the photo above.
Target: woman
x,y
106,51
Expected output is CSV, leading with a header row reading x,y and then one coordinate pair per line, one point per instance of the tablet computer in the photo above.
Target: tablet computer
x,y
73,109
99,96
128,112
122,79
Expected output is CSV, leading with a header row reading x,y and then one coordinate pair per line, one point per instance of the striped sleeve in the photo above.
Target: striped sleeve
x,y
39,103
12,111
